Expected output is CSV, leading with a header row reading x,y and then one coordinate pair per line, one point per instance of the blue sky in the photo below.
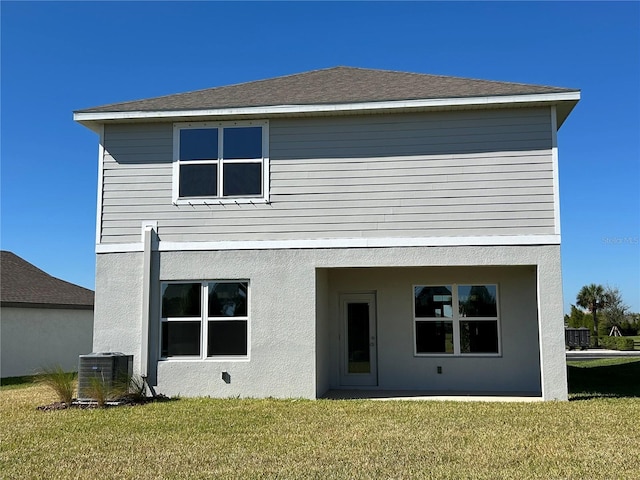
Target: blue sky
x,y
58,57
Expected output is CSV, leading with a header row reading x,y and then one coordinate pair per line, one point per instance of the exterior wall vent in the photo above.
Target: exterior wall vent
x,y
107,367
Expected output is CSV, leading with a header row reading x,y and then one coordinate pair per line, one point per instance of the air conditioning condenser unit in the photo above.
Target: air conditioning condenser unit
x,y
110,368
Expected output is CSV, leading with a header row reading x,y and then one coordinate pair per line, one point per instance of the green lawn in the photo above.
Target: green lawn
x,y
611,377
595,436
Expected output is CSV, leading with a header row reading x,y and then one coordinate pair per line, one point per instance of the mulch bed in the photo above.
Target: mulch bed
x,y
129,401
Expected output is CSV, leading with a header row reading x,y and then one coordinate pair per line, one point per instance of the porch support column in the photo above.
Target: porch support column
x,y
553,363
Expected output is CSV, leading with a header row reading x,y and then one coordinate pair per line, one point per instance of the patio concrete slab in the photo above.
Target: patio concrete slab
x,y
417,395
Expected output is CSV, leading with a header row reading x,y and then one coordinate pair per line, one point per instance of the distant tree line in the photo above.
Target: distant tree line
x,y
601,308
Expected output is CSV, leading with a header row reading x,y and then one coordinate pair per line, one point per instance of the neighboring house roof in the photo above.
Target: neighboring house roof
x,y
333,90
329,86
24,285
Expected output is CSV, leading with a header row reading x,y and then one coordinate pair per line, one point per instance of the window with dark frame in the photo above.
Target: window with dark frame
x,y
204,319
456,319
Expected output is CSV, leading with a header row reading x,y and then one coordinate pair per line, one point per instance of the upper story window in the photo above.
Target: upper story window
x,y
219,162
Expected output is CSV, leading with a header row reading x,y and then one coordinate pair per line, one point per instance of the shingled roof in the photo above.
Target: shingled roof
x,y
338,85
24,285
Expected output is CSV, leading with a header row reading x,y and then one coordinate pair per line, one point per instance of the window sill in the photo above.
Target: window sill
x,y
222,201
237,358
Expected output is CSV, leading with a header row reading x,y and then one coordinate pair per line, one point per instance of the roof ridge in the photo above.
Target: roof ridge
x,y
329,85
200,90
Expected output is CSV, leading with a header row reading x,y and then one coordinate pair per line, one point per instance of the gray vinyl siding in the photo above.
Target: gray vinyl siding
x,y
403,175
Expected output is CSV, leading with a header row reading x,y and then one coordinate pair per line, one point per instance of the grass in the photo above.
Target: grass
x,y
16,382
244,438
609,377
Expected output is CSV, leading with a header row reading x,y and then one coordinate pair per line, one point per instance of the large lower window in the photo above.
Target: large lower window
x,y
204,319
456,319
223,161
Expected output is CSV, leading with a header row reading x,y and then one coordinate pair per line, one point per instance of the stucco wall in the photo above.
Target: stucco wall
x,y
37,338
282,336
118,304
287,358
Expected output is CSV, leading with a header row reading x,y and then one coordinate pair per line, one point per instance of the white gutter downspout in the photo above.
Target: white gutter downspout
x,y
148,229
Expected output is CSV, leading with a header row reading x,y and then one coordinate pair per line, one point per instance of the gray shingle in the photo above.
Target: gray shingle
x,y
336,85
24,285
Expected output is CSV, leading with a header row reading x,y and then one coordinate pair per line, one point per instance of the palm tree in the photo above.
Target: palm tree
x,y
592,297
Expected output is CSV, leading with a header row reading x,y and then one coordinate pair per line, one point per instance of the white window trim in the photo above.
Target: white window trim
x,y
456,319
220,200
204,320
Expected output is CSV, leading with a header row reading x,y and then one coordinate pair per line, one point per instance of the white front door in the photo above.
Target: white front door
x,y
358,340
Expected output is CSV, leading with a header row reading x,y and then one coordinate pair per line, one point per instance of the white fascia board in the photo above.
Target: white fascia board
x,y
331,108
488,240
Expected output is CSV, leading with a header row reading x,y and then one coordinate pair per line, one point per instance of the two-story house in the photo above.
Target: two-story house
x,y
336,229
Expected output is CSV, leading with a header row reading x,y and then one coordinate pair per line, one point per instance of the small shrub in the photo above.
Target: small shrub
x,y
61,382
127,388
617,343
100,391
